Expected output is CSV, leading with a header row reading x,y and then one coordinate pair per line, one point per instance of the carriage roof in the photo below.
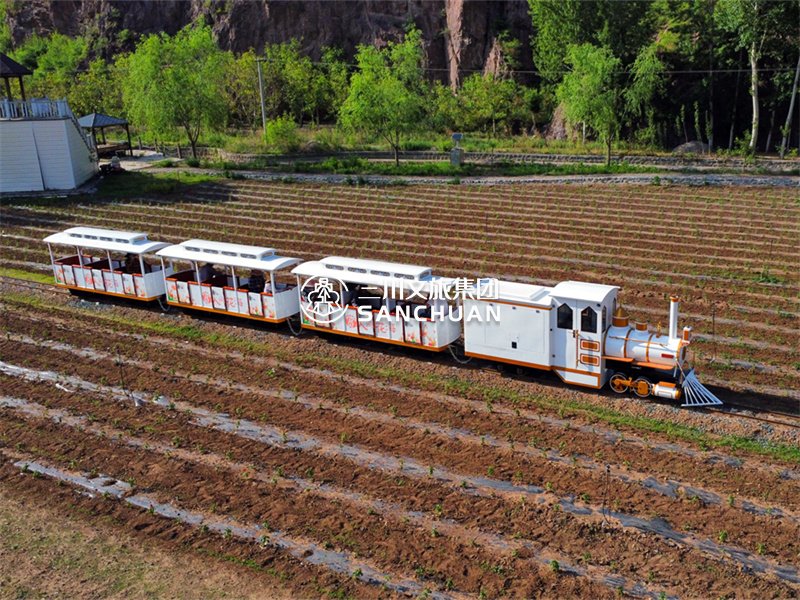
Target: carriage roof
x,y
113,240
230,255
579,290
370,272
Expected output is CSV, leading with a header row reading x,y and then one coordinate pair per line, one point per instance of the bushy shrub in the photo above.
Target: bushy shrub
x,y
282,134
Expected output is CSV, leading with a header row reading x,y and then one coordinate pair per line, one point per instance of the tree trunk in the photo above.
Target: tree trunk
x,y
754,94
710,116
396,148
769,131
608,148
787,127
735,102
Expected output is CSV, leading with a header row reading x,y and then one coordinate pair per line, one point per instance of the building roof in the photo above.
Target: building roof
x,y
230,255
11,68
113,240
578,290
99,120
379,273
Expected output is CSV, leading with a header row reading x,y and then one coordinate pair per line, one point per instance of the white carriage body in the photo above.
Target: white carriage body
x,y
203,288
99,271
556,328
388,315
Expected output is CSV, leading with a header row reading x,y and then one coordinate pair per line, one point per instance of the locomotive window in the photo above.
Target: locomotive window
x,y
603,323
564,317
589,320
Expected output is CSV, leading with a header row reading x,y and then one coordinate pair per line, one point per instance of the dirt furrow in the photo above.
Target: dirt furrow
x,y
388,510
477,485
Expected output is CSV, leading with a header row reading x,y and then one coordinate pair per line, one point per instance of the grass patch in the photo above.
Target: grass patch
x,y
453,385
27,275
122,186
353,166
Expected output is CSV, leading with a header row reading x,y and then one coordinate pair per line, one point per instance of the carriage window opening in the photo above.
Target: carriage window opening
x,y
603,328
381,273
564,317
335,267
402,276
248,256
356,270
229,253
589,320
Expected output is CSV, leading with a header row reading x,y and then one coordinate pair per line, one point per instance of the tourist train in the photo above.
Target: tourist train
x,y
578,330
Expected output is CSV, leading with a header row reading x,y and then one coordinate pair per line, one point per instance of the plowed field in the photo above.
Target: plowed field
x,y
331,468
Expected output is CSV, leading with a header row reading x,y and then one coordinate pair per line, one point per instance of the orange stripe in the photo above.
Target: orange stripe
x,y
625,345
375,338
94,291
533,365
229,314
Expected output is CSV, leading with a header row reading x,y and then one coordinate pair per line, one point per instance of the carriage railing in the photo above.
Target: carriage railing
x,y
220,293
95,274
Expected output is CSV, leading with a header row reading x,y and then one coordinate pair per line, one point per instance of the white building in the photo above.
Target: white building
x,y
42,147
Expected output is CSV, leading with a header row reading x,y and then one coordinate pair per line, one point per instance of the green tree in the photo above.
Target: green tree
x,y
288,81
590,93
753,22
622,27
176,83
647,82
330,85
487,100
241,85
55,61
388,91
97,89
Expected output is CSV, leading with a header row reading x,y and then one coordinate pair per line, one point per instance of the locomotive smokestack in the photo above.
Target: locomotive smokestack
x,y
674,304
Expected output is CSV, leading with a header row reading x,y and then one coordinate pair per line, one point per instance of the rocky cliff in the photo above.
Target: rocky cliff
x,y
461,36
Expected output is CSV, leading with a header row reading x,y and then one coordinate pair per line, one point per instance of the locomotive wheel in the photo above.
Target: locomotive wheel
x,y
619,383
642,387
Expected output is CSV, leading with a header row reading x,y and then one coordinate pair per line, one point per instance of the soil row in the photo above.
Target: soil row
x,y
362,427
192,487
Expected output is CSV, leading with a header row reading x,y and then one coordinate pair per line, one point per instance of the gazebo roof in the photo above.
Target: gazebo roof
x,y
99,120
11,68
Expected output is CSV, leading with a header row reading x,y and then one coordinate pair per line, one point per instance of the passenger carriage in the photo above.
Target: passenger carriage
x,y
108,261
578,330
231,279
377,300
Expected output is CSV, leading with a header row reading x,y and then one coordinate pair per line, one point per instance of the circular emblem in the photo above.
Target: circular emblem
x,y
323,304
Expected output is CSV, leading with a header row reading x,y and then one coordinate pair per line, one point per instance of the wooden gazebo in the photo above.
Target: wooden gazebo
x,y
95,121
11,69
